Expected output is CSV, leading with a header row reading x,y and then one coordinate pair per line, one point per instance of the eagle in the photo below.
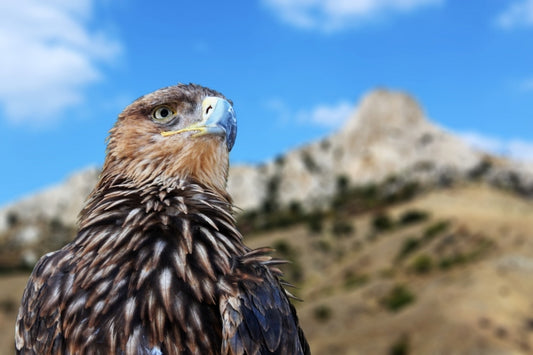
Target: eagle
x,y
158,266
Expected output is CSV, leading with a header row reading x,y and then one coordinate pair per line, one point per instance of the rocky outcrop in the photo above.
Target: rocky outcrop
x,y
44,221
62,202
387,135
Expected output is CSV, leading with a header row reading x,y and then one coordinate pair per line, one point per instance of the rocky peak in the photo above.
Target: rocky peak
x,y
387,134
384,109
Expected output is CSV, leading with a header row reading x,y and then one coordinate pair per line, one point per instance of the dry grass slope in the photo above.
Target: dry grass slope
x,y
454,280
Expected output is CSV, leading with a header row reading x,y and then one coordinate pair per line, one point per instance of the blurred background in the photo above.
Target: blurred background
x,y
385,147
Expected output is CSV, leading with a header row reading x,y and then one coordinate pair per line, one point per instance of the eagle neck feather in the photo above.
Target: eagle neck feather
x,y
158,247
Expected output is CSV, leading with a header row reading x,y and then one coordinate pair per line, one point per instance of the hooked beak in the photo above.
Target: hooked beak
x,y
218,118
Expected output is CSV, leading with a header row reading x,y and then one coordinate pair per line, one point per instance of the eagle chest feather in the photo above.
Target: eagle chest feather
x,y
158,269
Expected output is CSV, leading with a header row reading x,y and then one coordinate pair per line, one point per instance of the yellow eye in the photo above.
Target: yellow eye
x,y
163,114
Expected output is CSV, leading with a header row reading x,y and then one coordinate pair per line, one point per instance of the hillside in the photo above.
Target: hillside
x,y
403,239
449,273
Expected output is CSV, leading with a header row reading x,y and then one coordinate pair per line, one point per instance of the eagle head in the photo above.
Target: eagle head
x,y
182,131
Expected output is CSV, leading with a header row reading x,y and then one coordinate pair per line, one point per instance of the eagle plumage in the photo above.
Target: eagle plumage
x,y
158,266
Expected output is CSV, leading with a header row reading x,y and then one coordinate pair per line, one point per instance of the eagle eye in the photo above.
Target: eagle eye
x,y
163,114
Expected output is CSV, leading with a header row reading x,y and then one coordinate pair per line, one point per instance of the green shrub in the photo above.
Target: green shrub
x,y
409,246
422,264
453,260
342,184
401,347
481,169
398,298
341,228
295,208
12,219
283,247
315,223
271,201
463,258
295,271
405,192
382,222
322,313
309,162
435,229
8,306
369,192
413,216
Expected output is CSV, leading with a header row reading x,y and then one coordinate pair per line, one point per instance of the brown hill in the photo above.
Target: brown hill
x,y
446,272
449,273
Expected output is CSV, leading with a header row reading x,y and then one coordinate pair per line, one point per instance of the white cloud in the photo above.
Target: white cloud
x,y
48,55
513,148
518,14
333,15
322,115
329,116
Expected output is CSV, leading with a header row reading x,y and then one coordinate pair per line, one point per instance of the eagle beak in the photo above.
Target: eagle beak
x,y
218,118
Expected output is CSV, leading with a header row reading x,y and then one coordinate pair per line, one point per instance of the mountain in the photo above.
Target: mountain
x,y
387,135
402,239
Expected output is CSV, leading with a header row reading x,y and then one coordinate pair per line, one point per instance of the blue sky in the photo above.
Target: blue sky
x,y
294,69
